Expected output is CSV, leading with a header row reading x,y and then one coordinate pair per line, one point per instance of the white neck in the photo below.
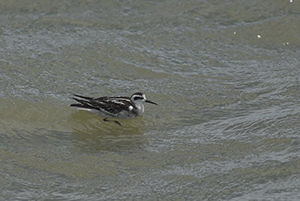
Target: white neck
x,y
140,107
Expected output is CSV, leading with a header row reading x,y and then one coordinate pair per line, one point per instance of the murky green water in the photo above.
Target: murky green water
x,y
224,73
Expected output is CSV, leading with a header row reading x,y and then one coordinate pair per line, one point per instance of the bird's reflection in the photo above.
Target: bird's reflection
x,y
92,134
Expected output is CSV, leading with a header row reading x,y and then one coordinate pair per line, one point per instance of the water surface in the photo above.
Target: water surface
x,y
224,73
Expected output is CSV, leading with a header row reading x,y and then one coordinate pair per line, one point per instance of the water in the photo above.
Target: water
x,y
224,73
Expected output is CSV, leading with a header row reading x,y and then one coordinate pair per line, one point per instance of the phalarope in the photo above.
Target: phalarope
x,y
113,107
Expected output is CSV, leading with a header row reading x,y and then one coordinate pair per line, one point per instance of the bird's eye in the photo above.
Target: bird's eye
x,y
138,98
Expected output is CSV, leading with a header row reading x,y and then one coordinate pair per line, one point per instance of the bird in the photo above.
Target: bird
x,y
121,107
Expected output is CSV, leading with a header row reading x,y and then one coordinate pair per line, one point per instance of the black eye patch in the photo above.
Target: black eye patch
x,y
138,98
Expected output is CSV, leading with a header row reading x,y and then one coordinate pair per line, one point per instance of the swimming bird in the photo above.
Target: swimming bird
x,y
113,107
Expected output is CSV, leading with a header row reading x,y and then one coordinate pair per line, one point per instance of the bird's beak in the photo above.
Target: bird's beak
x,y
147,101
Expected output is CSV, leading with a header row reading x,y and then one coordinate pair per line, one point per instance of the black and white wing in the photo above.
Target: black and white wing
x,y
111,106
